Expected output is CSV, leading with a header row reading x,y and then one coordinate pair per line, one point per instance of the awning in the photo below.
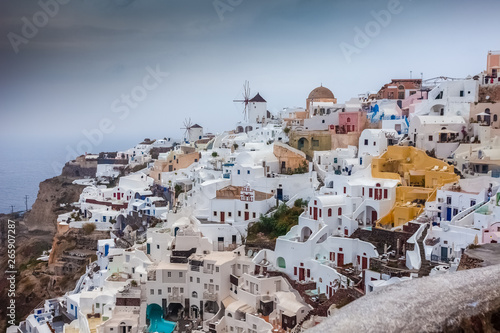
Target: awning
x,y
228,300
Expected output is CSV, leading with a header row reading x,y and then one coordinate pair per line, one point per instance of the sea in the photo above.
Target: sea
x,y
24,163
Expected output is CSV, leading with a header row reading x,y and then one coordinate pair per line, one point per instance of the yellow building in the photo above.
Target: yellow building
x,y
420,177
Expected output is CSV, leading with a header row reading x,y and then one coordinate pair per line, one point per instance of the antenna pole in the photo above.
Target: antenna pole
x,y
26,201
12,209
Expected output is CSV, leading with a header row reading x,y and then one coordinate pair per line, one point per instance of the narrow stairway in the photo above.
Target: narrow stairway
x,y
425,267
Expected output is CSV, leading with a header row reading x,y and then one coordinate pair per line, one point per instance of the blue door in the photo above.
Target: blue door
x,y
448,214
444,254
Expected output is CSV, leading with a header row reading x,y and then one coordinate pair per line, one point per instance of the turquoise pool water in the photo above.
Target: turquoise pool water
x,y
157,323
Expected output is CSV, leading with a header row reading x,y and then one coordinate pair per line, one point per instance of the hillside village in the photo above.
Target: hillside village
x,y
391,185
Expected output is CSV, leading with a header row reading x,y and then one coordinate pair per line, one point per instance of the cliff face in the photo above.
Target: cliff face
x,y
35,233
53,192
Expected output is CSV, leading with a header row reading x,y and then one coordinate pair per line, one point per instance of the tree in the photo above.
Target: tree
x,y
178,190
214,154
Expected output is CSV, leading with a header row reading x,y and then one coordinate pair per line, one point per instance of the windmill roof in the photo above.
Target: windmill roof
x,y
258,98
196,126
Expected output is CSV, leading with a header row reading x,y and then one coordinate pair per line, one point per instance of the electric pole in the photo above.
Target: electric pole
x,y
12,209
26,201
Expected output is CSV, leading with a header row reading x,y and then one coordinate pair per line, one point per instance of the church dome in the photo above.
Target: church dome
x,y
321,92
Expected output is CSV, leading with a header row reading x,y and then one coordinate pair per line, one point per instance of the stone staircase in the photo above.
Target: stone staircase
x,y
426,266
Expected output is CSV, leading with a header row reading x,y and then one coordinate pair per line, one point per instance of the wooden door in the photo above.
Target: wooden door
x,y
315,213
247,216
365,263
301,274
222,216
340,259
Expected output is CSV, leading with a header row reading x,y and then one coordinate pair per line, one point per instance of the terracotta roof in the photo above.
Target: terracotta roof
x,y
321,92
258,98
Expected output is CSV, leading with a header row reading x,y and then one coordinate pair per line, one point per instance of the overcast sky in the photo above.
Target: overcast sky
x,y
72,73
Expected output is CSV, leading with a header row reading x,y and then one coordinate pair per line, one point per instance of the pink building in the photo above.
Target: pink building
x,y
409,103
492,234
351,122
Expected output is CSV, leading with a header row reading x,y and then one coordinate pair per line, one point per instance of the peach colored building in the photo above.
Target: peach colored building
x,y
288,157
492,234
399,89
493,64
173,161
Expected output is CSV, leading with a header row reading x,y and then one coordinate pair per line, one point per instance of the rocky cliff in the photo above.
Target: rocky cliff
x,y
34,234
54,197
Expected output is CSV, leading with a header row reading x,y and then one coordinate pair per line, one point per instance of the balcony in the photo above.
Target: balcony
x,y
175,298
210,296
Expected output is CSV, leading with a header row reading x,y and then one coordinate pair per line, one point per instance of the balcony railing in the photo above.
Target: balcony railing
x,y
210,296
175,298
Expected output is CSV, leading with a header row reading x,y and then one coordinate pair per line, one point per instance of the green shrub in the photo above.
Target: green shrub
x,y
88,228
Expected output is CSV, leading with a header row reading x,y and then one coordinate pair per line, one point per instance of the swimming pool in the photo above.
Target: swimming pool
x,y
157,323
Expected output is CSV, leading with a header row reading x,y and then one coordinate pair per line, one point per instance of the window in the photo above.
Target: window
x,y
345,189
182,290
217,269
194,294
180,274
385,193
197,280
455,211
239,213
169,274
157,246
215,213
363,190
97,305
430,138
315,143
248,172
253,214
461,93
472,202
448,200
370,193
159,291
190,279
246,206
366,142
217,288
229,214
151,291
495,117
238,172
329,212
348,119
340,211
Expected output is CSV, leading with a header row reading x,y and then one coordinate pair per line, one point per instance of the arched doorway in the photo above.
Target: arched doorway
x,y
303,144
305,234
195,311
280,262
120,222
